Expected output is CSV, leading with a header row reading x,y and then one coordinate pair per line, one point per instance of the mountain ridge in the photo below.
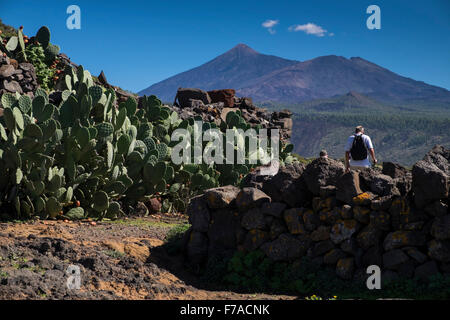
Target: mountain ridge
x,y
232,69
271,78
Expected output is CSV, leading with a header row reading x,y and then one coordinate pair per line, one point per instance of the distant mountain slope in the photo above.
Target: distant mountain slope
x,y
270,78
328,76
349,102
236,68
399,133
399,138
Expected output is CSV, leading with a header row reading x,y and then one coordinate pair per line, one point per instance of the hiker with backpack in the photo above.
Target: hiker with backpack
x,y
357,151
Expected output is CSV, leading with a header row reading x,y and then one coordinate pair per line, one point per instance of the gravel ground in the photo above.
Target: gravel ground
x,y
116,260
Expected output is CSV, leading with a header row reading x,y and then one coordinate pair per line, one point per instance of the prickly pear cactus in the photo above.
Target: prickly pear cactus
x,y
90,156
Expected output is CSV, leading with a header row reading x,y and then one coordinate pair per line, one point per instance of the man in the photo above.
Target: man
x,y
323,154
357,151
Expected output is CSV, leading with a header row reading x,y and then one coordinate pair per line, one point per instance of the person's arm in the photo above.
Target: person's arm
x,y
348,147
372,154
371,149
347,161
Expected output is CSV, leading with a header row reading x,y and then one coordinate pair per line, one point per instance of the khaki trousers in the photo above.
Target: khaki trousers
x,y
359,168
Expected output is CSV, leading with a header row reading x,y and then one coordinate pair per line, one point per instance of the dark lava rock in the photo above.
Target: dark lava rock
x,y
322,172
198,212
221,197
250,198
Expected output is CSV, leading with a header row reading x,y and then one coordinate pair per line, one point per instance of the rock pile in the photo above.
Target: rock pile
x,y
211,106
122,95
431,183
101,80
214,106
17,77
396,219
21,78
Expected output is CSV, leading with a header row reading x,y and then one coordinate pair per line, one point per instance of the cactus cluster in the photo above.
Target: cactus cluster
x,y
53,160
43,39
13,44
19,45
147,131
37,50
89,151
91,156
233,173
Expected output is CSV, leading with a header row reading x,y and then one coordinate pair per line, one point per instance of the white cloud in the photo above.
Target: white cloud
x,y
269,24
310,28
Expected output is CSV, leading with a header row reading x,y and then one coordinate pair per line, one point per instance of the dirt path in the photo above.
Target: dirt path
x,y
117,260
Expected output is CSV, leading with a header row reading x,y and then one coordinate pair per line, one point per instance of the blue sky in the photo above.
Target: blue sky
x,y
138,43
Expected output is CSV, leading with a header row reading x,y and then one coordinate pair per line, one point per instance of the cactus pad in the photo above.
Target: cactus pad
x,y
104,129
43,36
75,213
8,100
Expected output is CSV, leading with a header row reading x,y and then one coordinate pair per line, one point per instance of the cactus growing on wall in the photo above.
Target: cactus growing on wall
x,y
40,52
91,156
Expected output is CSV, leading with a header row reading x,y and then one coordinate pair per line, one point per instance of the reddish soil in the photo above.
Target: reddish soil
x,y
117,260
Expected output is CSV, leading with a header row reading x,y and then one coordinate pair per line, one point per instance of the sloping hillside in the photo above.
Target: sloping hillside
x,y
401,138
270,78
400,133
328,76
235,68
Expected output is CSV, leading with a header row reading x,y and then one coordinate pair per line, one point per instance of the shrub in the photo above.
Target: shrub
x,y
253,271
45,75
174,238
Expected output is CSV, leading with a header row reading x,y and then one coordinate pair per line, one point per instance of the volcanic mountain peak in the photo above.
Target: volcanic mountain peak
x,y
271,78
237,68
242,48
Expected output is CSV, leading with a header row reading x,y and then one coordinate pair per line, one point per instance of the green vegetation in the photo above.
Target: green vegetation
x,y
174,238
114,254
253,272
43,55
143,223
401,134
44,74
177,232
40,52
19,262
432,123
314,297
302,159
92,157
42,294
402,140
3,275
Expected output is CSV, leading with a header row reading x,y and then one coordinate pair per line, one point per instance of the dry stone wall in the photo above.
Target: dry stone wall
x,y
17,77
21,78
394,218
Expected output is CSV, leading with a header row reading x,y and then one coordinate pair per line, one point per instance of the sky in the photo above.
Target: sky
x,y
139,43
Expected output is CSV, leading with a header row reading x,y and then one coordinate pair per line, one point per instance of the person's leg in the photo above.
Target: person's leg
x,y
358,168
